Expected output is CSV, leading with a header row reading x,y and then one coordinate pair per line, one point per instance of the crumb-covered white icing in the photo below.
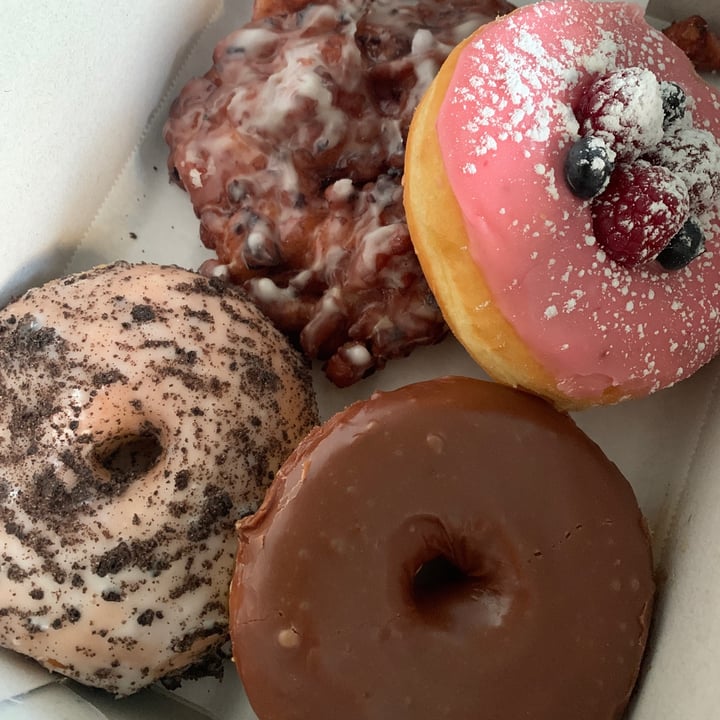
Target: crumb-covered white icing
x,y
144,410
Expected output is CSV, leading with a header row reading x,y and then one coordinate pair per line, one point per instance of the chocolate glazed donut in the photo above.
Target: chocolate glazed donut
x,y
450,549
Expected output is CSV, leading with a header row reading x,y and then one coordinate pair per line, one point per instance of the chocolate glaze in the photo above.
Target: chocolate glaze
x,y
450,549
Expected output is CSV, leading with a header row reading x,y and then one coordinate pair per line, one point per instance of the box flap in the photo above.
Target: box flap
x,y
71,113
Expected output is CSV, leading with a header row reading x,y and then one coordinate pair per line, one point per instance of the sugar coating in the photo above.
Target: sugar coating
x,y
625,109
509,114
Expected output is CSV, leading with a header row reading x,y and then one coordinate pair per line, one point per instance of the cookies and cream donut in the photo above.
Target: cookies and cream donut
x,y
291,149
144,409
454,548
514,256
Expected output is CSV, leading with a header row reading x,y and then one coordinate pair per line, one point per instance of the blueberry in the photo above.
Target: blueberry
x,y
673,102
686,245
588,166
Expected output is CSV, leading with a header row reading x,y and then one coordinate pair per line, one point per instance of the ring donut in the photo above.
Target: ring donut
x,y
454,548
513,256
144,410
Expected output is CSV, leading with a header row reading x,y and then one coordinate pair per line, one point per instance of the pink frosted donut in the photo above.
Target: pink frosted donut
x,y
144,409
512,254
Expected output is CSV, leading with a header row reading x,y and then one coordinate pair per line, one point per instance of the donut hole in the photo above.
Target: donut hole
x,y
128,457
440,580
453,575
454,591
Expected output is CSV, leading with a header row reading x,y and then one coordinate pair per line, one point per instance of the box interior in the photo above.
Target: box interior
x,y
85,182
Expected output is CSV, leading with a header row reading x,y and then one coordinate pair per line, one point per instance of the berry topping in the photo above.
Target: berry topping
x,y
685,246
642,208
673,102
694,155
588,166
625,109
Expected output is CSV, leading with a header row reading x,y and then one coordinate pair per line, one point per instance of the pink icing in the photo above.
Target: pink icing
x,y
504,128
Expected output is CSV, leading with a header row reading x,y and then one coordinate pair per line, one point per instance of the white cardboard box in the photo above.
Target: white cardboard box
x,y
84,90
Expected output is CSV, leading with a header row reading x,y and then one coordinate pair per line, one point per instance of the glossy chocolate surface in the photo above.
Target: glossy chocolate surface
x,y
450,549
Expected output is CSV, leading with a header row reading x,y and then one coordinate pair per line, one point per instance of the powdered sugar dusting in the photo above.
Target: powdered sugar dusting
x,y
694,155
625,110
593,323
530,76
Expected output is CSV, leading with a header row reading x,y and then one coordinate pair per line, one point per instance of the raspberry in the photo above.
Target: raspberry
x,y
694,156
642,208
588,166
625,109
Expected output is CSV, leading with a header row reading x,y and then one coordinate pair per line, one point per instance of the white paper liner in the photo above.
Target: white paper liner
x,y
663,444
680,676
20,675
63,700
